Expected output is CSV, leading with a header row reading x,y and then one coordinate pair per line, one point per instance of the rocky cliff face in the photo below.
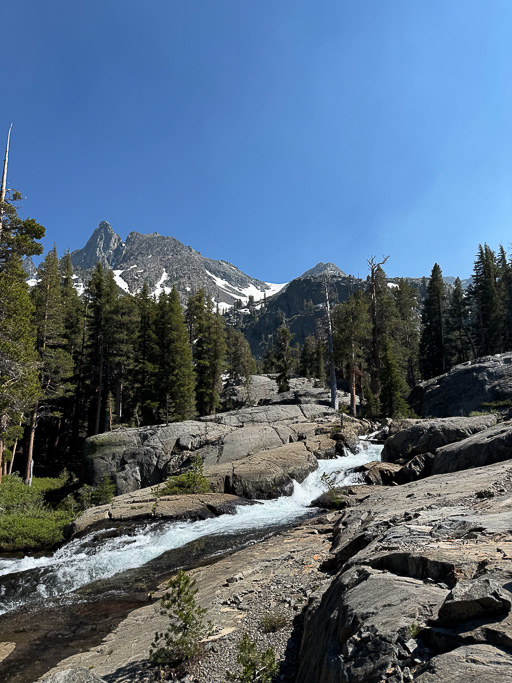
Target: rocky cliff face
x,y
465,387
163,262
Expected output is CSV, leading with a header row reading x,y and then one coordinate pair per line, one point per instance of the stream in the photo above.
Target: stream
x,y
88,559
53,606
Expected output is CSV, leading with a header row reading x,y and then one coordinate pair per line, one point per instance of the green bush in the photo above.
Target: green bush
x,y
104,492
272,622
180,643
192,481
26,522
257,666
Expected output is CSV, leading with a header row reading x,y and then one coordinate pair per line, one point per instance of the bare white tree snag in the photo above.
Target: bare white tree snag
x,y
4,174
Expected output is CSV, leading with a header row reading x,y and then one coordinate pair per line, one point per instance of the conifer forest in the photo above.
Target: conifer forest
x,y
74,366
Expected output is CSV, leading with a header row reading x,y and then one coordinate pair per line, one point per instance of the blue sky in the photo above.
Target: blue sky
x,y
272,134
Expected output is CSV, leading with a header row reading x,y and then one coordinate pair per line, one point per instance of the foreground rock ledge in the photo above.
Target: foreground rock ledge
x,y
147,505
423,589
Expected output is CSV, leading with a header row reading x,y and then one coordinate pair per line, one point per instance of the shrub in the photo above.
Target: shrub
x,y
257,666
272,622
180,643
26,522
104,492
192,481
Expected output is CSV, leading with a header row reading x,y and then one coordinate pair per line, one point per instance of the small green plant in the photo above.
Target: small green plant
x,y
272,622
414,630
103,492
180,643
257,666
192,481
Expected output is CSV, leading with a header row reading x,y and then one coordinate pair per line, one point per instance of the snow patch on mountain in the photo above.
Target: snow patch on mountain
x,y
120,282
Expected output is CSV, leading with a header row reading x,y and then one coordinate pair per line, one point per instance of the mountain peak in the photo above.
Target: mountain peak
x,y
324,269
104,246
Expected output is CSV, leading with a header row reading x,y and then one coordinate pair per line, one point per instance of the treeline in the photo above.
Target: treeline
x,y
385,341
73,366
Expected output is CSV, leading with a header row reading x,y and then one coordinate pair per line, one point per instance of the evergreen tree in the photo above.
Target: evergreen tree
x,y
505,294
459,344
123,356
145,369
319,362
102,296
56,363
405,330
209,350
380,300
239,357
308,358
284,358
484,294
432,341
175,378
394,388
19,386
352,330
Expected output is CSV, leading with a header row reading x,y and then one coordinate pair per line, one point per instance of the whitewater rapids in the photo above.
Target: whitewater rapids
x,y
90,558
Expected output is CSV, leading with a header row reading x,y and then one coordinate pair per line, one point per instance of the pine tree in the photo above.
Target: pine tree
x,y
394,388
18,374
56,363
489,315
319,362
432,341
238,355
176,377
19,386
284,358
505,295
145,370
308,357
206,328
102,296
459,343
405,330
353,327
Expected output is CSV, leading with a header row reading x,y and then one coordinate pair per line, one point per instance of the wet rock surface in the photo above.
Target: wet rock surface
x,y
278,576
146,504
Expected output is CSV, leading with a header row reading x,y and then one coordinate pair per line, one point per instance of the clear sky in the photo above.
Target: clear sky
x,y
270,133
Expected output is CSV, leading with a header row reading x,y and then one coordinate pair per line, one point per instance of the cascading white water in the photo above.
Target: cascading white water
x,y
82,561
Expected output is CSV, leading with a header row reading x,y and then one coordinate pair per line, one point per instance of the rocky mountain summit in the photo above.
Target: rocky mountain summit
x,y
162,262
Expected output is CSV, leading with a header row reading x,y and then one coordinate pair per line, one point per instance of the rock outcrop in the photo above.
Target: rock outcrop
x,y
423,589
138,458
465,387
426,436
148,504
